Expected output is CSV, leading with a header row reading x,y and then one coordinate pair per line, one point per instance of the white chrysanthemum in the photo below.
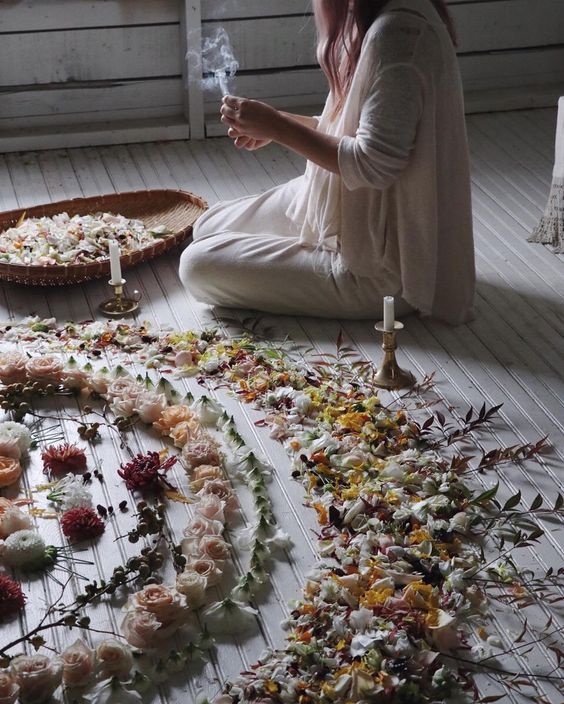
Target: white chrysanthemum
x,y
70,492
24,548
10,430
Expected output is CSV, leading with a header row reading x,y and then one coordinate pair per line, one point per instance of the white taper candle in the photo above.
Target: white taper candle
x,y
389,313
115,264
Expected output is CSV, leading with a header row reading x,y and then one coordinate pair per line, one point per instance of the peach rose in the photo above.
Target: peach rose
x,y
184,432
214,547
12,368
114,659
193,586
10,447
10,471
211,506
78,664
9,688
171,417
202,474
47,369
140,627
223,491
38,677
12,520
163,601
205,567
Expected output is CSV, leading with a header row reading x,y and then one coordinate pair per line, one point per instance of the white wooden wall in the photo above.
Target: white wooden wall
x,y
76,72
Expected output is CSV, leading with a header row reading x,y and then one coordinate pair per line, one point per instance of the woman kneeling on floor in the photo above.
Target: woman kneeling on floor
x,y
384,205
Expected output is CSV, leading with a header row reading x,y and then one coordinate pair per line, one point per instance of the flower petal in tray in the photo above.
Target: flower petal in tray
x,y
177,211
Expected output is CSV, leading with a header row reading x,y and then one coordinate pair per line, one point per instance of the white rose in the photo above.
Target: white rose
x,y
193,585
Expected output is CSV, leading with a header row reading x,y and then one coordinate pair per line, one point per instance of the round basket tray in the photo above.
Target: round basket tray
x,y
176,210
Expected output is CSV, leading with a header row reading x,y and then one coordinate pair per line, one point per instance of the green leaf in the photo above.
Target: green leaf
x,y
486,495
537,503
512,502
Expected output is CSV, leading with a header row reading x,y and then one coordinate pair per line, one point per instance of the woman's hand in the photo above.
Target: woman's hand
x,y
252,124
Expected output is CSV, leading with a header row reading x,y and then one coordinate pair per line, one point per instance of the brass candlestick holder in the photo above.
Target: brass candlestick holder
x,y
120,305
390,375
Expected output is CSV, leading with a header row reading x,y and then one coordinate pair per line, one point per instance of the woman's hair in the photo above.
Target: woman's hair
x,y
342,26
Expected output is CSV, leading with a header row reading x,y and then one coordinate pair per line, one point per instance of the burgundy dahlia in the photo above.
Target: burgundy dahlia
x,y
146,472
60,459
81,523
12,599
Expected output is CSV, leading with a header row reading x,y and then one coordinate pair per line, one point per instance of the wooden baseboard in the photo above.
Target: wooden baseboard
x,y
94,135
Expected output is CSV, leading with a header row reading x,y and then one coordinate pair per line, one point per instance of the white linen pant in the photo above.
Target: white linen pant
x,y
246,253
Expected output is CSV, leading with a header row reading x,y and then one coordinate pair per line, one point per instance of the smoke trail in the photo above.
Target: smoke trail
x,y
218,61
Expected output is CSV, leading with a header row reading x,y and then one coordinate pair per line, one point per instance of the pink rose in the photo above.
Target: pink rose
x,y
163,601
149,406
211,506
202,474
9,688
122,388
47,369
201,452
38,677
12,368
205,567
78,664
140,628
114,659
193,586
12,520
214,547
200,526
223,491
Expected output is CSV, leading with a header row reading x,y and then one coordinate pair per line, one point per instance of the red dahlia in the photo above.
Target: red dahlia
x,y
59,459
12,599
81,523
146,472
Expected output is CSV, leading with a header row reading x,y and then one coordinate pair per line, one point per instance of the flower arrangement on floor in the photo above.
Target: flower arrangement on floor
x,y
404,587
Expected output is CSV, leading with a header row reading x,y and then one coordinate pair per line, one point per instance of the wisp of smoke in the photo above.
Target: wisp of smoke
x,y
218,60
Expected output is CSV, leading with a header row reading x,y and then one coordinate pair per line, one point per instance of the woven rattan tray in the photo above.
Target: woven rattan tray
x,y
176,210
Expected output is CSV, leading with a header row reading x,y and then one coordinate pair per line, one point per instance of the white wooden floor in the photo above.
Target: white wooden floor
x,y
511,353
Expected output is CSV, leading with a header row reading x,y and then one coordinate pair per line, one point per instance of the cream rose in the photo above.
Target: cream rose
x,y
214,547
75,379
193,585
12,368
99,382
10,471
171,417
78,664
114,659
223,491
211,506
37,676
47,369
13,519
9,688
202,474
123,388
149,406
205,567
140,628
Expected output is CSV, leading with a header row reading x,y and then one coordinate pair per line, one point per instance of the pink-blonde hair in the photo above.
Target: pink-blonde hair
x,y
342,26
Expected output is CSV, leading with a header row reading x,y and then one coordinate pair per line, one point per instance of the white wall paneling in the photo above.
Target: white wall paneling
x,y
69,66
